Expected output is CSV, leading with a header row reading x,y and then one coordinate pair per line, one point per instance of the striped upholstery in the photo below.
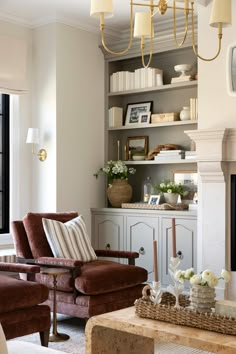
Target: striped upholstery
x,y
70,239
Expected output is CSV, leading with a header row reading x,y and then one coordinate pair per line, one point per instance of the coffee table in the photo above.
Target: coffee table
x,y
123,331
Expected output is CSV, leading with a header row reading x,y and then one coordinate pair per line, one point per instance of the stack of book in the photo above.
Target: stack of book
x,y
122,81
190,155
165,155
193,109
146,77
115,117
181,78
140,78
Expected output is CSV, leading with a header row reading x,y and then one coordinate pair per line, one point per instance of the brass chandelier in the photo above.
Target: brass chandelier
x,y
144,21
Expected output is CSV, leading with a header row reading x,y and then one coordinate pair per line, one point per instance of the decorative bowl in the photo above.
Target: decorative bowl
x,y
183,68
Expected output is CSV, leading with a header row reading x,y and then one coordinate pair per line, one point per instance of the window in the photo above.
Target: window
x,y
4,163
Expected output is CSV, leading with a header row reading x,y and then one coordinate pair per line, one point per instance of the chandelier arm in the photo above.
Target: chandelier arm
x,y
102,28
186,26
219,42
150,53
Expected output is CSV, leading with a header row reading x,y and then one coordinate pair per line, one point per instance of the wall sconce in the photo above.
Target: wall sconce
x,y
33,138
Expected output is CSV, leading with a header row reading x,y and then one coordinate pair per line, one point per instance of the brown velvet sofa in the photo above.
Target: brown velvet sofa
x,y
20,312
89,288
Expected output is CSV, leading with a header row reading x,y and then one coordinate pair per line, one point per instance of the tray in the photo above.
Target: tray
x,y
184,316
164,206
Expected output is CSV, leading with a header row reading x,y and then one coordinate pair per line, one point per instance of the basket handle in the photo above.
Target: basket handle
x,y
146,292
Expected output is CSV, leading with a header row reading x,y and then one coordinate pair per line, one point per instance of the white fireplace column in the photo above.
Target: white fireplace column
x,y
215,149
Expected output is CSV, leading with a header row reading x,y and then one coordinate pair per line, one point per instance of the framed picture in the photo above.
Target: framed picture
x,y
189,179
134,109
136,144
144,117
154,199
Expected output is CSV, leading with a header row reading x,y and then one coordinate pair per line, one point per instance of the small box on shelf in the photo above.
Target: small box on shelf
x,y
164,117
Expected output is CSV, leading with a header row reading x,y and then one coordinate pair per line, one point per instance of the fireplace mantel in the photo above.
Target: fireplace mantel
x,y
216,156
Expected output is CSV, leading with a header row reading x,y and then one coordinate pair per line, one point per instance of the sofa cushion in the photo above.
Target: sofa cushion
x,y
69,239
101,277
35,232
18,294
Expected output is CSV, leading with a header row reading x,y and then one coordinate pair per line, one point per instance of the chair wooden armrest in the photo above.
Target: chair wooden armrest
x,y
131,256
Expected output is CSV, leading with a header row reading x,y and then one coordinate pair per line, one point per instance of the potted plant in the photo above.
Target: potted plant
x,y
119,190
170,190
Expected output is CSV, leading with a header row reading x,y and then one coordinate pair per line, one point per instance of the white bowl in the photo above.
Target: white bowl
x,y
138,157
183,68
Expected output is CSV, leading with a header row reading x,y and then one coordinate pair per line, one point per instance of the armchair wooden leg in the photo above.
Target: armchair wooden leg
x,y
44,337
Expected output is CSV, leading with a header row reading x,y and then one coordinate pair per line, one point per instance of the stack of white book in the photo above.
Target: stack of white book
x,y
170,155
189,155
115,117
147,77
181,78
122,81
193,109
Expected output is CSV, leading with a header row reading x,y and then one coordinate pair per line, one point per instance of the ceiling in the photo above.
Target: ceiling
x,y
33,13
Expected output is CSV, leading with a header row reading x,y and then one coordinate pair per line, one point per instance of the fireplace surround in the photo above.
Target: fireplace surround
x,y
216,155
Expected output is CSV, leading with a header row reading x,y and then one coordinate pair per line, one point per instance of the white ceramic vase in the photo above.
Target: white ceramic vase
x,y
202,298
185,113
171,198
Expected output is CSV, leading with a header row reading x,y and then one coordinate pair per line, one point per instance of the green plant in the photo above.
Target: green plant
x,y
116,170
170,187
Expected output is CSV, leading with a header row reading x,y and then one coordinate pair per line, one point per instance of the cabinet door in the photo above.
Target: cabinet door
x,y
140,233
186,231
109,232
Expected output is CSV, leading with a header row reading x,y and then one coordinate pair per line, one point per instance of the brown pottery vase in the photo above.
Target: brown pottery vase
x,y
120,191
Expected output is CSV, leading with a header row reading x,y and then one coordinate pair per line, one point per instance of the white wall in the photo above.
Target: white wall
x,y
216,108
80,120
44,117
68,107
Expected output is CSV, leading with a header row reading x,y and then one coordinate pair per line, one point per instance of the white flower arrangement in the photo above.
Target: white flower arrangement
x,y
116,170
205,278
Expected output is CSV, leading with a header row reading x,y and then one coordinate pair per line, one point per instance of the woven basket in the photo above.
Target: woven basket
x,y
183,316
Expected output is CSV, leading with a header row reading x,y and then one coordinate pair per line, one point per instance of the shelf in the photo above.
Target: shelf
x,y
154,162
176,86
155,125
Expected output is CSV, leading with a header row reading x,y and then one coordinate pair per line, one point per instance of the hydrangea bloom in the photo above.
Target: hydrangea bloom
x,y
116,170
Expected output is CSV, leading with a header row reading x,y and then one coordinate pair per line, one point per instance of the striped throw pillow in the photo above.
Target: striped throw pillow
x,y
70,239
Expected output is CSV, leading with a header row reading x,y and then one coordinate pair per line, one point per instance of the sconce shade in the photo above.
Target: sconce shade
x,y
33,136
101,6
142,25
221,13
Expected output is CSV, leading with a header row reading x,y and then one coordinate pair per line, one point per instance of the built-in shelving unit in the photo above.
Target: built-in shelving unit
x,y
165,98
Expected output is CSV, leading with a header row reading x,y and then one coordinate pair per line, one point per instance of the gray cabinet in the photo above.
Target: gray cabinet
x,y
135,230
140,233
186,230
108,231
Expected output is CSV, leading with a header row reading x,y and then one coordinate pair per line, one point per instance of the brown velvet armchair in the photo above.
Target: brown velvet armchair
x,y
20,312
90,288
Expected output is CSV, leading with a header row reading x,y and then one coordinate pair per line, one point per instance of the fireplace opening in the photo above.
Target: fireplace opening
x,y
233,222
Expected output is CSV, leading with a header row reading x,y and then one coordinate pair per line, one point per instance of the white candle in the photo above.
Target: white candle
x,y
173,238
155,269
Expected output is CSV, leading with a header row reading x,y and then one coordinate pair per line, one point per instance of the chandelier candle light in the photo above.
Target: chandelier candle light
x,y
144,21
